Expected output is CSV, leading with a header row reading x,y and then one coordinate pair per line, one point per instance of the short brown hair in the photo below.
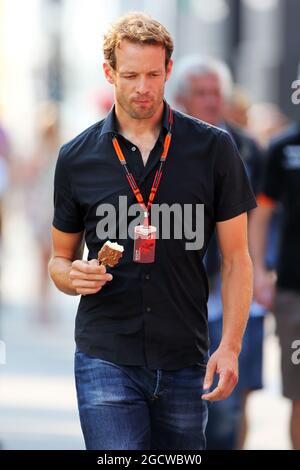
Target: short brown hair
x,y
138,28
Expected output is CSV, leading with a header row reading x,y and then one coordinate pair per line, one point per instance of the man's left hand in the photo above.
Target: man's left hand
x,y
225,363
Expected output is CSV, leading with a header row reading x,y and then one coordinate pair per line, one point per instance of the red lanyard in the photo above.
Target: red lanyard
x,y
158,174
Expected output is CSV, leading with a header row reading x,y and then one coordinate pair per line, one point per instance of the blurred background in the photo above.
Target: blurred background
x,y
51,88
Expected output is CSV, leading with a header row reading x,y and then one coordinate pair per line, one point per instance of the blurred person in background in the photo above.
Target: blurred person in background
x,y
104,100
38,179
141,333
262,121
4,177
4,169
281,186
265,120
236,107
4,183
203,89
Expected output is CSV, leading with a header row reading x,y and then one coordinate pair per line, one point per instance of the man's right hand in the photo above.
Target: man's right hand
x,y
87,277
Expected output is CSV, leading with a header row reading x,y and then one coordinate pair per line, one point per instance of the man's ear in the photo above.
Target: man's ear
x,y
169,69
108,72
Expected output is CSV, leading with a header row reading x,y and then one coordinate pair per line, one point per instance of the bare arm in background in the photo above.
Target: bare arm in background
x,y
264,280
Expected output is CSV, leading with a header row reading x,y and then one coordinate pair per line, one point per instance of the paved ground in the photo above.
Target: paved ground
x,y
37,398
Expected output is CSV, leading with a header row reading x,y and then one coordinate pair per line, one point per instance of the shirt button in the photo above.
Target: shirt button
x,y
148,309
147,277
133,148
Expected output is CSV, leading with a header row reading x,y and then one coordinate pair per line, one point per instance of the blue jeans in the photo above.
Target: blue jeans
x,y
137,408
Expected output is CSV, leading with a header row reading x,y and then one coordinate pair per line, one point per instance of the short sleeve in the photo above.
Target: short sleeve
x,y
233,193
67,216
273,175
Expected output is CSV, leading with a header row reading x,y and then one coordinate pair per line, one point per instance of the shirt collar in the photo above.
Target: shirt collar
x,y
109,124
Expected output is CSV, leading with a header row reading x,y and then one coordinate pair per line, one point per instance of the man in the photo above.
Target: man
x,y
281,185
203,89
141,366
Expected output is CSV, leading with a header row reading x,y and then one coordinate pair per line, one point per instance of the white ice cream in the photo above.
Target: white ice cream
x,y
114,246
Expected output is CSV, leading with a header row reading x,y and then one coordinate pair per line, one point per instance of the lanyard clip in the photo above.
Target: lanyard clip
x,y
146,219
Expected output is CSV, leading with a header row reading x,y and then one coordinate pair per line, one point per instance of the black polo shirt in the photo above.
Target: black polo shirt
x,y
282,184
155,314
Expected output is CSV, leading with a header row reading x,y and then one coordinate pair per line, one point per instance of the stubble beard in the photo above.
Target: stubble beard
x,y
139,113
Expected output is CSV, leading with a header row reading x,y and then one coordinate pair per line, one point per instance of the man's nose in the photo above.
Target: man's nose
x,y
212,99
142,85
